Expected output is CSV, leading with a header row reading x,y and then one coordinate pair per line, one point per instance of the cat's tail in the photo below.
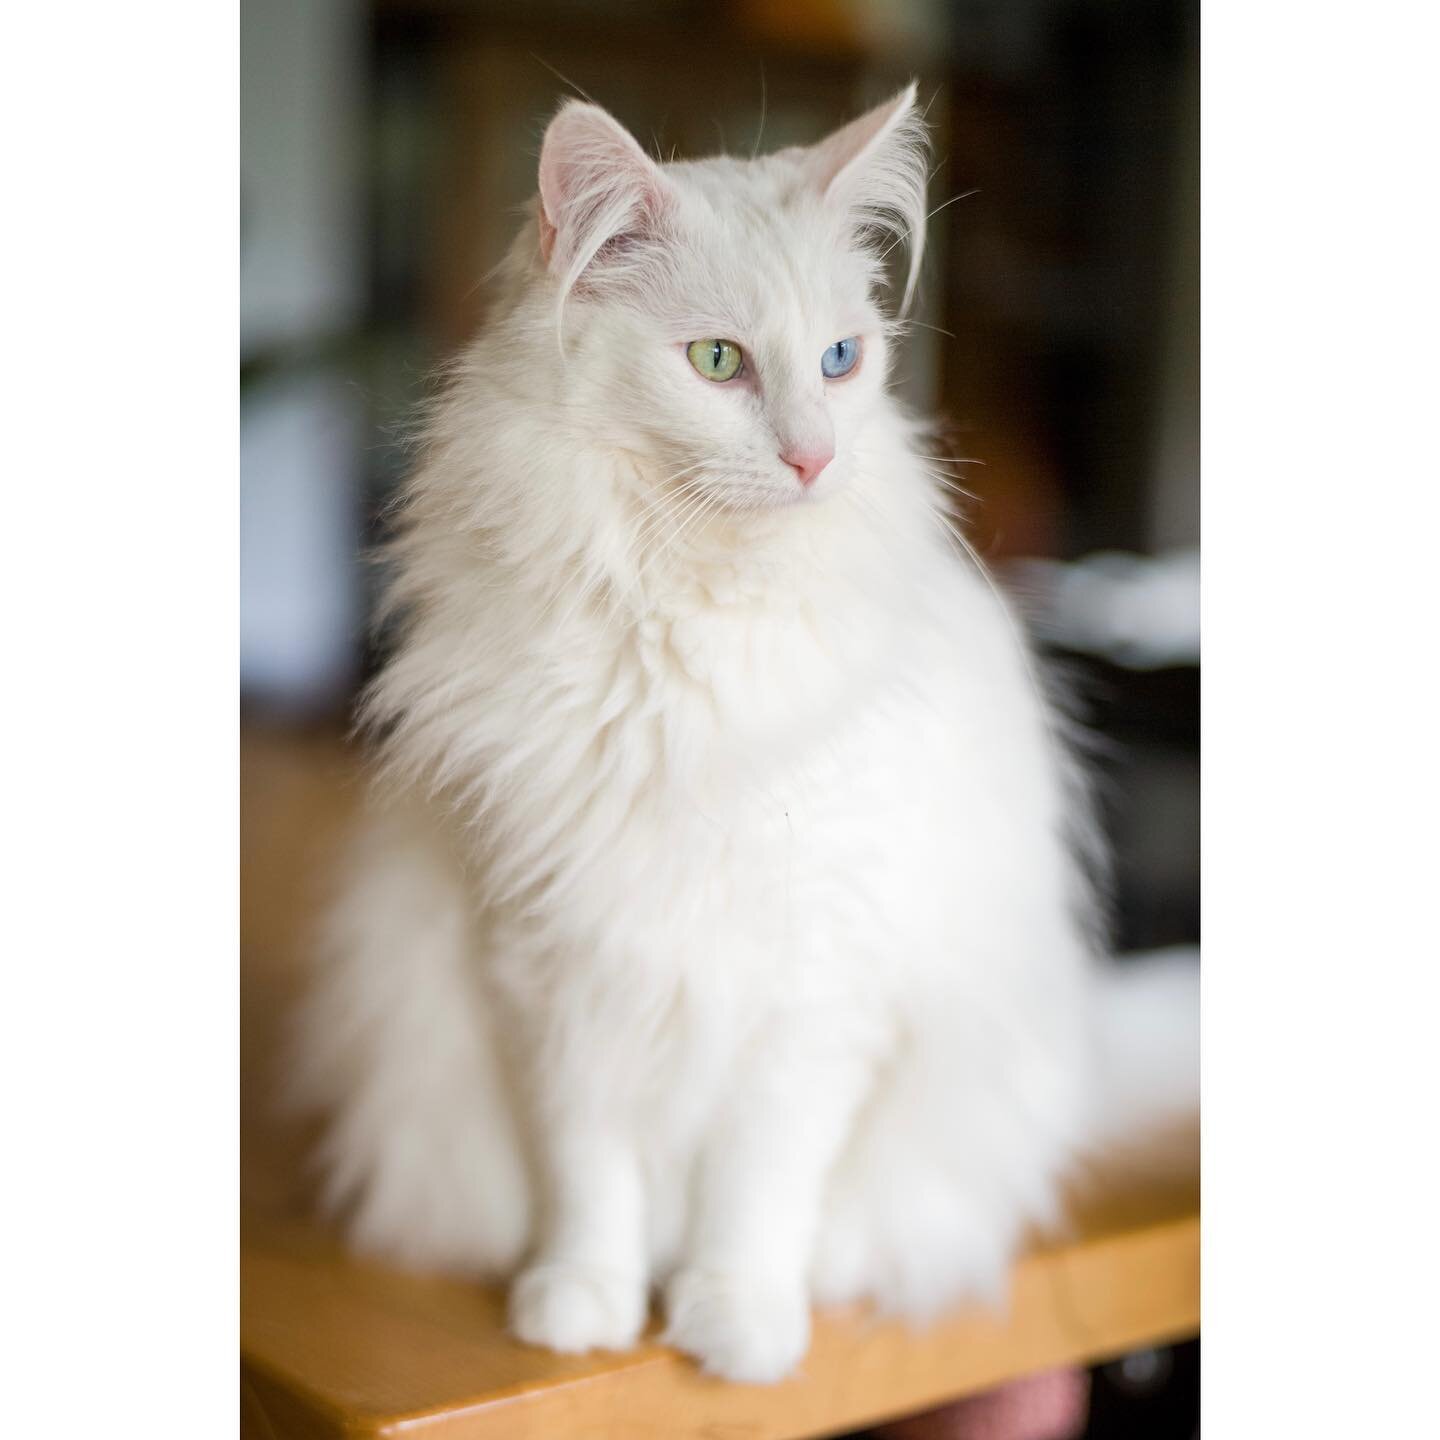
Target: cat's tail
x,y
393,1051
1149,1034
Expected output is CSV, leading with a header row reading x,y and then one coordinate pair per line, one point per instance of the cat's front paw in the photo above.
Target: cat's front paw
x,y
738,1327
574,1308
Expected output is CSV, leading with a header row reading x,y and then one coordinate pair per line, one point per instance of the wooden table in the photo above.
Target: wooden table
x,y
331,1347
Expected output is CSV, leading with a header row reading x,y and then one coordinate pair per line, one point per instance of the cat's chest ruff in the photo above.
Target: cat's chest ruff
x,y
753,667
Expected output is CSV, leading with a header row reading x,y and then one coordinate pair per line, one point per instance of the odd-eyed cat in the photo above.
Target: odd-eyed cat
x,y
717,925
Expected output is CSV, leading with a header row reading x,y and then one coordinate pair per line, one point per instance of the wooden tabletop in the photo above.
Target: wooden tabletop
x,y
332,1347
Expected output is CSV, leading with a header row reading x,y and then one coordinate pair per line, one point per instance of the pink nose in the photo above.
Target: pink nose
x,y
807,464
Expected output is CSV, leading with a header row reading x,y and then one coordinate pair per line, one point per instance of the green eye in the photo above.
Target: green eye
x,y
717,360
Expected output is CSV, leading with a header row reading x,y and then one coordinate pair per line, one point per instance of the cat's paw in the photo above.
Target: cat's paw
x,y
574,1308
739,1327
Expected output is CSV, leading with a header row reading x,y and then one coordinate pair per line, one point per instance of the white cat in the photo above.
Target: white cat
x,y
716,925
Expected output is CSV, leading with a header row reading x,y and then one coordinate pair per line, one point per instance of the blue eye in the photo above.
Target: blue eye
x,y
840,358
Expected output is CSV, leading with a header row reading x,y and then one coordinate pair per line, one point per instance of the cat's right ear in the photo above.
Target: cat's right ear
x,y
598,188
875,168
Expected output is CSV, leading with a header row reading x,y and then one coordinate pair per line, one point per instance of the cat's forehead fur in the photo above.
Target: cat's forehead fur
x,y
760,254
804,225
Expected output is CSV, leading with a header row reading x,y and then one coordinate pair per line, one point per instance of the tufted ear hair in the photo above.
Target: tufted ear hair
x,y
874,169
598,189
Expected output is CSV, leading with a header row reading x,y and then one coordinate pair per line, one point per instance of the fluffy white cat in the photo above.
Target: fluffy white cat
x,y
717,925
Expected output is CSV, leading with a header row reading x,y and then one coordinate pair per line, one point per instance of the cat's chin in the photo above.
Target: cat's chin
x,y
790,498
747,505
740,499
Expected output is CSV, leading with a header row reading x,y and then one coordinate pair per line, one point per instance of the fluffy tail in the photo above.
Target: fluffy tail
x,y
1149,1022
393,1048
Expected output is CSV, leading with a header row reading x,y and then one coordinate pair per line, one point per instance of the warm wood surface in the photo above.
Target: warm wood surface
x,y
332,1348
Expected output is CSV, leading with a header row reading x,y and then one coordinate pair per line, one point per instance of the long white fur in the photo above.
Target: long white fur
x,y
715,926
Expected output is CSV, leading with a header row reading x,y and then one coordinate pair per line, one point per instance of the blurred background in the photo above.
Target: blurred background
x,y
386,146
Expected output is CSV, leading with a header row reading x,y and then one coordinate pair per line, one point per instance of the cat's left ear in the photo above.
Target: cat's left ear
x,y
875,169
598,189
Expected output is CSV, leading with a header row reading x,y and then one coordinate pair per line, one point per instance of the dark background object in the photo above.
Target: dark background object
x,y
1152,1393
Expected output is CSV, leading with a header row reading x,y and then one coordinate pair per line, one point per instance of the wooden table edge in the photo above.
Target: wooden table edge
x,y
1082,1302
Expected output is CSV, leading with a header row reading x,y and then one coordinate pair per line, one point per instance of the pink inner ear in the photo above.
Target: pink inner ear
x,y
862,136
547,235
596,184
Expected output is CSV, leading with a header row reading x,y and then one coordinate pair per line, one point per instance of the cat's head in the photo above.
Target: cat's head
x,y
719,317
